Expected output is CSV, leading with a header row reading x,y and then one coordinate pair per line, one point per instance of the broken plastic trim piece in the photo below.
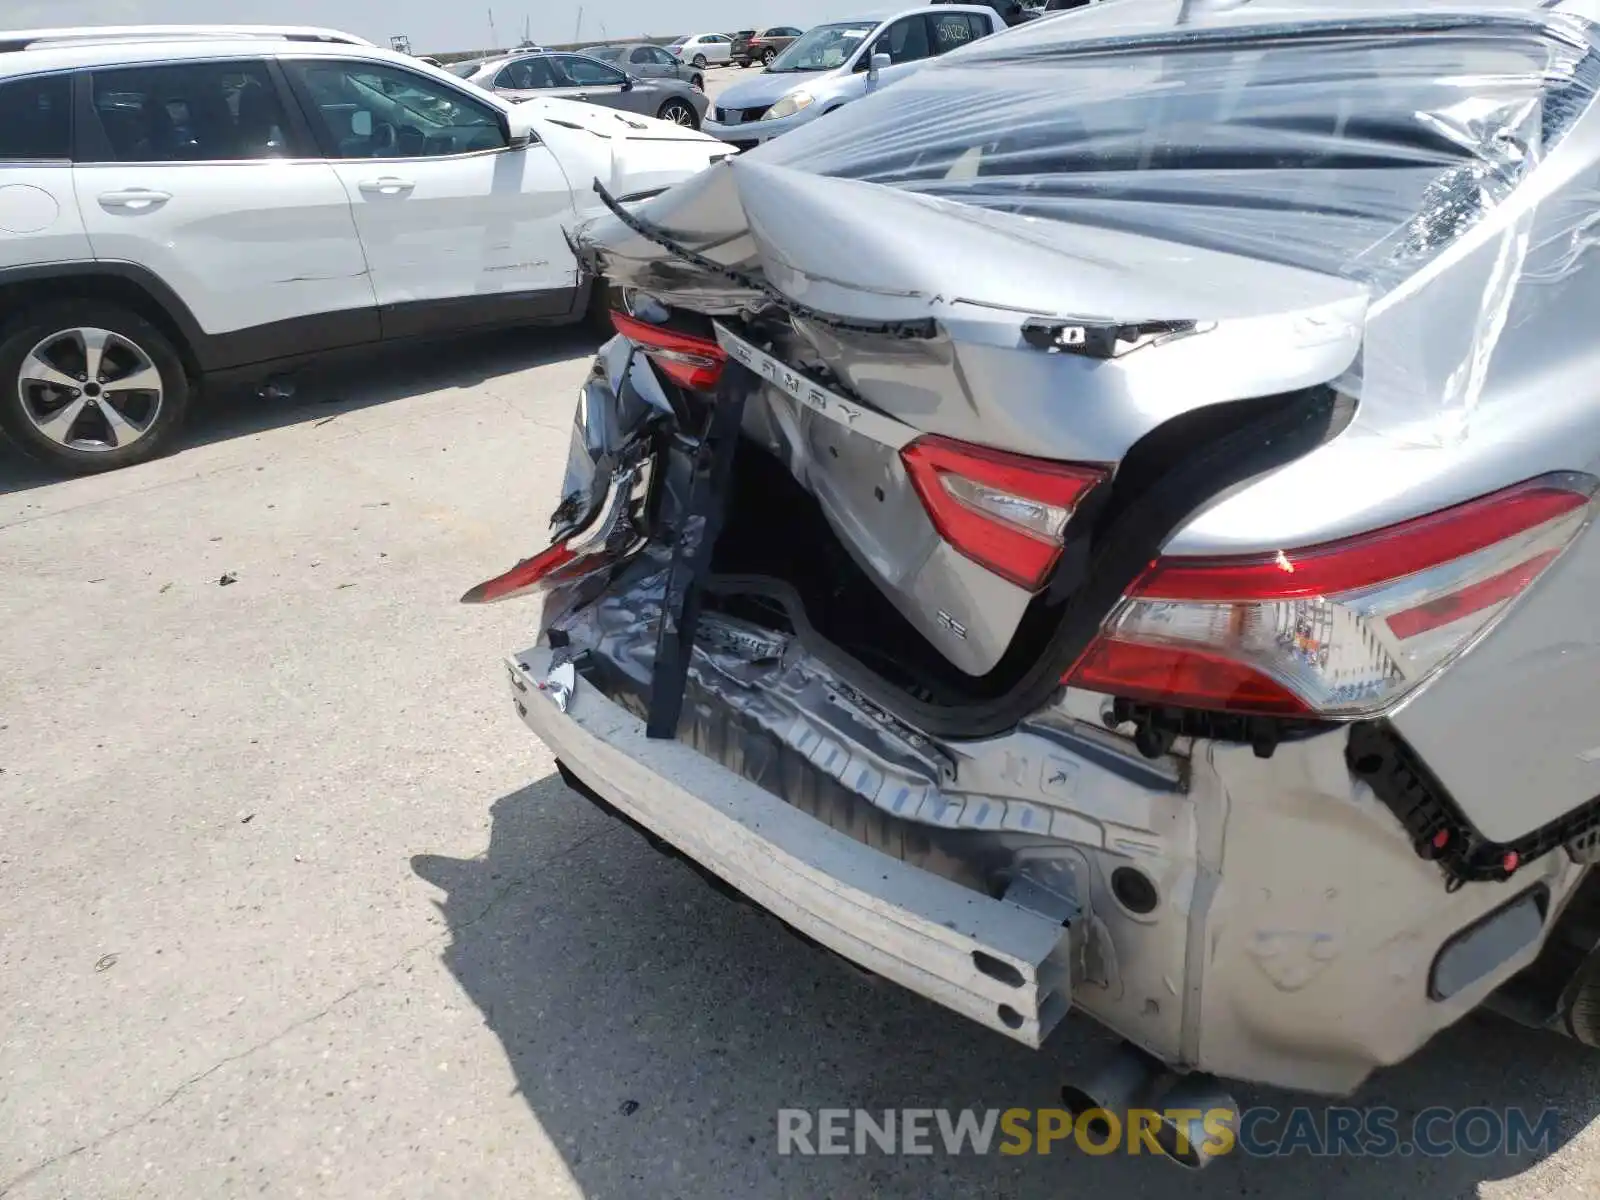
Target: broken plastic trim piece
x,y
1101,339
1440,831
922,328
700,525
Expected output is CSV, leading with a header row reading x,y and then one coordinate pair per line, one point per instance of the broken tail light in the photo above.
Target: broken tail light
x,y
1343,630
692,362
1006,512
608,535
529,575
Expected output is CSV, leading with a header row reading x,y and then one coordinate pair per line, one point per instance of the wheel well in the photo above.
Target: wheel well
x,y
115,289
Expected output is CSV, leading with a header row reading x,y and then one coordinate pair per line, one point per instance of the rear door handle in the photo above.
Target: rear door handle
x,y
134,199
389,185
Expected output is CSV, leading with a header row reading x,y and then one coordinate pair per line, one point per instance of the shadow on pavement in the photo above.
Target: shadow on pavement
x,y
358,380
655,1029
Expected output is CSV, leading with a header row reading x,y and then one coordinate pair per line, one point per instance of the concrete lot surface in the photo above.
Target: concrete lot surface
x,y
292,905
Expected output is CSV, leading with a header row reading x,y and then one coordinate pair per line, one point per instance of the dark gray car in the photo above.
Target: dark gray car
x,y
580,77
646,61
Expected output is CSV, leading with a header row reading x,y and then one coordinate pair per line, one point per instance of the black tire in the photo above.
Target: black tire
x,y
698,83
699,62
31,329
680,112
767,56
1583,1004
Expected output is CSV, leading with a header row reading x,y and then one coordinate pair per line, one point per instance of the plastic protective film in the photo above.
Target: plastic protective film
x,y
1207,161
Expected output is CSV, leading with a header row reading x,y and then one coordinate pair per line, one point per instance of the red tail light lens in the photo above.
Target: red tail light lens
x,y
1342,630
543,569
1006,512
691,362
1158,674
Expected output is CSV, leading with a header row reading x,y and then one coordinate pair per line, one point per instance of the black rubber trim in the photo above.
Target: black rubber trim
x,y
316,334
925,327
1440,832
698,527
1093,582
454,314
142,277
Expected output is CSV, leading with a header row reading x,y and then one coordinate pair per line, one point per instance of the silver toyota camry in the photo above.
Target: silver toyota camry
x,y
1104,526
579,77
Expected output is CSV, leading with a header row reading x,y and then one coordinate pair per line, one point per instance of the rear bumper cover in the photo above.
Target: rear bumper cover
x,y
990,960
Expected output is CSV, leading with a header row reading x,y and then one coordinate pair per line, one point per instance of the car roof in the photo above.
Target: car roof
x,y
22,39
500,60
28,52
163,48
894,14
1112,20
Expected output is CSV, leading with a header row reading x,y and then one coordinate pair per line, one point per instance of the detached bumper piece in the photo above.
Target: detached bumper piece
x,y
993,961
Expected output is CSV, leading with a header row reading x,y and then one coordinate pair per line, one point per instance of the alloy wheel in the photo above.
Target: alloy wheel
x,y
90,389
678,113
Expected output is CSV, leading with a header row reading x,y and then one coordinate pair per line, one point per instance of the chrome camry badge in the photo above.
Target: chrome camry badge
x,y
823,401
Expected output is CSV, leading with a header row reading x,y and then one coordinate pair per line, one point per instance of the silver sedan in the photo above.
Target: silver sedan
x,y
579,77
646,61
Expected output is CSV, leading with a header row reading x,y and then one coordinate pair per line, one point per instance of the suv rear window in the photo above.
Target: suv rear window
x,y
189,112
35,119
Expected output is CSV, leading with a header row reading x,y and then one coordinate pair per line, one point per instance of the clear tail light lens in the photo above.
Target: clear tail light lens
x,y
1006,512
691,362
1343,630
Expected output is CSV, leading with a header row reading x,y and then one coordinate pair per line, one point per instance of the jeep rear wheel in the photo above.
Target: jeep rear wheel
x,y
90,386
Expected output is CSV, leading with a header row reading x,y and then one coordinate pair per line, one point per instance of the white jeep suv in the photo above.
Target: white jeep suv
x,y
178,202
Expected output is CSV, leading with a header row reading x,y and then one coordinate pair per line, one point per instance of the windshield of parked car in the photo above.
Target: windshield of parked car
x,y
466,69
822,48
1350,151
605,53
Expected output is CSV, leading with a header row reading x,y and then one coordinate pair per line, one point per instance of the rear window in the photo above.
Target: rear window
x,y
35,119
1358,153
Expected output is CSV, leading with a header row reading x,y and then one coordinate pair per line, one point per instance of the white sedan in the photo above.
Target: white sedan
x,y
703,49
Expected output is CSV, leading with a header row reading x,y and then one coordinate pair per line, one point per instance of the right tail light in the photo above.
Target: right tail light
x,y
1343,630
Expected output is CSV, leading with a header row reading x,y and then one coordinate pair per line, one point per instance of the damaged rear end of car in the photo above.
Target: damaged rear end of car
x,y
913,574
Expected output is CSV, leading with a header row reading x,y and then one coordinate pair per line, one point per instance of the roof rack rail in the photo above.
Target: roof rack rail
x,y
12,41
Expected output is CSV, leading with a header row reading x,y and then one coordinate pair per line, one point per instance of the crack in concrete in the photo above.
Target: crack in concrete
x,y
377,980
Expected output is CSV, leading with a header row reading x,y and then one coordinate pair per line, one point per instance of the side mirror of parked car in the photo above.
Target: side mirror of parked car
x,y
876,64
518,131
627,83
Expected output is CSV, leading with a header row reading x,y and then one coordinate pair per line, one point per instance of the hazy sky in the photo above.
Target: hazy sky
x,y
460,25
